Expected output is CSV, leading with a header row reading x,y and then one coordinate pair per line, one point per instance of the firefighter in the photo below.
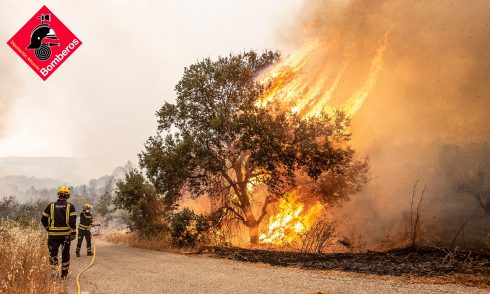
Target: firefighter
x,y
60,220
84,228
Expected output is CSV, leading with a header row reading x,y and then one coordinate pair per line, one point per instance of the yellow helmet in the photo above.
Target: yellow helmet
x,y
64,192
87,206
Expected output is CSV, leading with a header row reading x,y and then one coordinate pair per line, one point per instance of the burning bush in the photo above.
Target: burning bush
x,y
24,259
188,228
290,222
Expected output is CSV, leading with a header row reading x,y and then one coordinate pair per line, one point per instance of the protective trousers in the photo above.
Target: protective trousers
x,y
88,236
54,246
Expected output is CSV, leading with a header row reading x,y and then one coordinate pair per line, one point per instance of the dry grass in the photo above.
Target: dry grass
x,y
159,243
24,260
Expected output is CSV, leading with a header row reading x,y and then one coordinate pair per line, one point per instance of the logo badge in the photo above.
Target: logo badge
x,y
44,43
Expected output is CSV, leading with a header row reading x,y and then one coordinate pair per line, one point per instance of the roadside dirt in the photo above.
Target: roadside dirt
x,y
121,269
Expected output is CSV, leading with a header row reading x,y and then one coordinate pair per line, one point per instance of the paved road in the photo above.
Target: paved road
x,y
120,269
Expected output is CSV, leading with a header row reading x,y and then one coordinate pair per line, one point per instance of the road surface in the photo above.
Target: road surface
x,y
121,269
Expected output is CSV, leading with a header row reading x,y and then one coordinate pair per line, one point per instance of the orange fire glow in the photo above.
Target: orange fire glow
x,y
303,83
290,222
298,84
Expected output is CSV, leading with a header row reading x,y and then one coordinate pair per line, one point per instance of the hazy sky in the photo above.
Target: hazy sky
x,y
100,104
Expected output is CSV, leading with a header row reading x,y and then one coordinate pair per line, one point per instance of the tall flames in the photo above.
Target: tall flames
x,y
291,221
298,84
301,85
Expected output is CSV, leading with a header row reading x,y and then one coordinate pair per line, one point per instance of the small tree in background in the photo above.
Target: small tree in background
x,y
8,205
140,199
218,141
103,205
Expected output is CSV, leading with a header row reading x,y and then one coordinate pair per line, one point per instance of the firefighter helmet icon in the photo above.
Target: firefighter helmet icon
x,y
42,38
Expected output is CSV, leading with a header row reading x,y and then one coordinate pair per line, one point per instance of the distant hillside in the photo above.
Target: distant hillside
x,y
20,182
21,185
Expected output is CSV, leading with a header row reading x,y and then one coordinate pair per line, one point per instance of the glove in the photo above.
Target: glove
x,y
73,236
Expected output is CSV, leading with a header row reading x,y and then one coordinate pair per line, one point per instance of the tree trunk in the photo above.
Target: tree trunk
x,y
240,188
252,225
254,234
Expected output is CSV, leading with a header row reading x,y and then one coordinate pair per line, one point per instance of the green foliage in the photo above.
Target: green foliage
x,y
188,228
210,97
140,199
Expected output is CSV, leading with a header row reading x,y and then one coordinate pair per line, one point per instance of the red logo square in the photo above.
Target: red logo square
x,y
44,43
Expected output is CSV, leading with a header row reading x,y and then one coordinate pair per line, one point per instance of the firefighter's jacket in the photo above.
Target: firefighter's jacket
x,y
85,221
59,219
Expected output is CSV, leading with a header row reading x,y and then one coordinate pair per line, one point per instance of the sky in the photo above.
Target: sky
x,y
100,104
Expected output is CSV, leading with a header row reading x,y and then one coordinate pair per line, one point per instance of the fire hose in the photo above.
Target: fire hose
x,y
79,289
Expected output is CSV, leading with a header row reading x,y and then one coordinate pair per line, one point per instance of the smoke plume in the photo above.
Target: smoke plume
x,y
432,95
5,96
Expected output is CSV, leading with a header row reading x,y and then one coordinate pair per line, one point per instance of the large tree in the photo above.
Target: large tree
x,y
216,140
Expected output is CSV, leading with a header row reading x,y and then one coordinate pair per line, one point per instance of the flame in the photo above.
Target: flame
x,y
290,222
300,85
303,83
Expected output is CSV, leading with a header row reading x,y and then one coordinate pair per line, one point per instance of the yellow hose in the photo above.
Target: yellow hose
x,y
86,268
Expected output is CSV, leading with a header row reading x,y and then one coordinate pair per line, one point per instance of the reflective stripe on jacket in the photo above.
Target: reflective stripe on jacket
x,y
59,218
85,221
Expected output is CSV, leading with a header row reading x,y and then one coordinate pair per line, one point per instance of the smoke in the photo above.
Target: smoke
x,y
11,84
6,95
433,91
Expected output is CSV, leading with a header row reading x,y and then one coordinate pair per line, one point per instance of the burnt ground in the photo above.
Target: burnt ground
x,y
467,267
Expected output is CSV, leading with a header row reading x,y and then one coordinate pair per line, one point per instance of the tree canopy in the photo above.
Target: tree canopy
x,y
216,140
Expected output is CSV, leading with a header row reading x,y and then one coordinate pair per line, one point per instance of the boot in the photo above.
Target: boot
x,y
78,254
90,253
64,274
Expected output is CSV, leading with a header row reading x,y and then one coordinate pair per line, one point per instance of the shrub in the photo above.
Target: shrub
x,y
319,236
188,228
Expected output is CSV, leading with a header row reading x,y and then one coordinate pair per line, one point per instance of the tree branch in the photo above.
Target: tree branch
x,y
268,200
236,214
231,182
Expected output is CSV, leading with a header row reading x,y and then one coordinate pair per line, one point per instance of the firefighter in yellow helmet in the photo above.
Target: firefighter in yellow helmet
x,y
60,219
84,228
